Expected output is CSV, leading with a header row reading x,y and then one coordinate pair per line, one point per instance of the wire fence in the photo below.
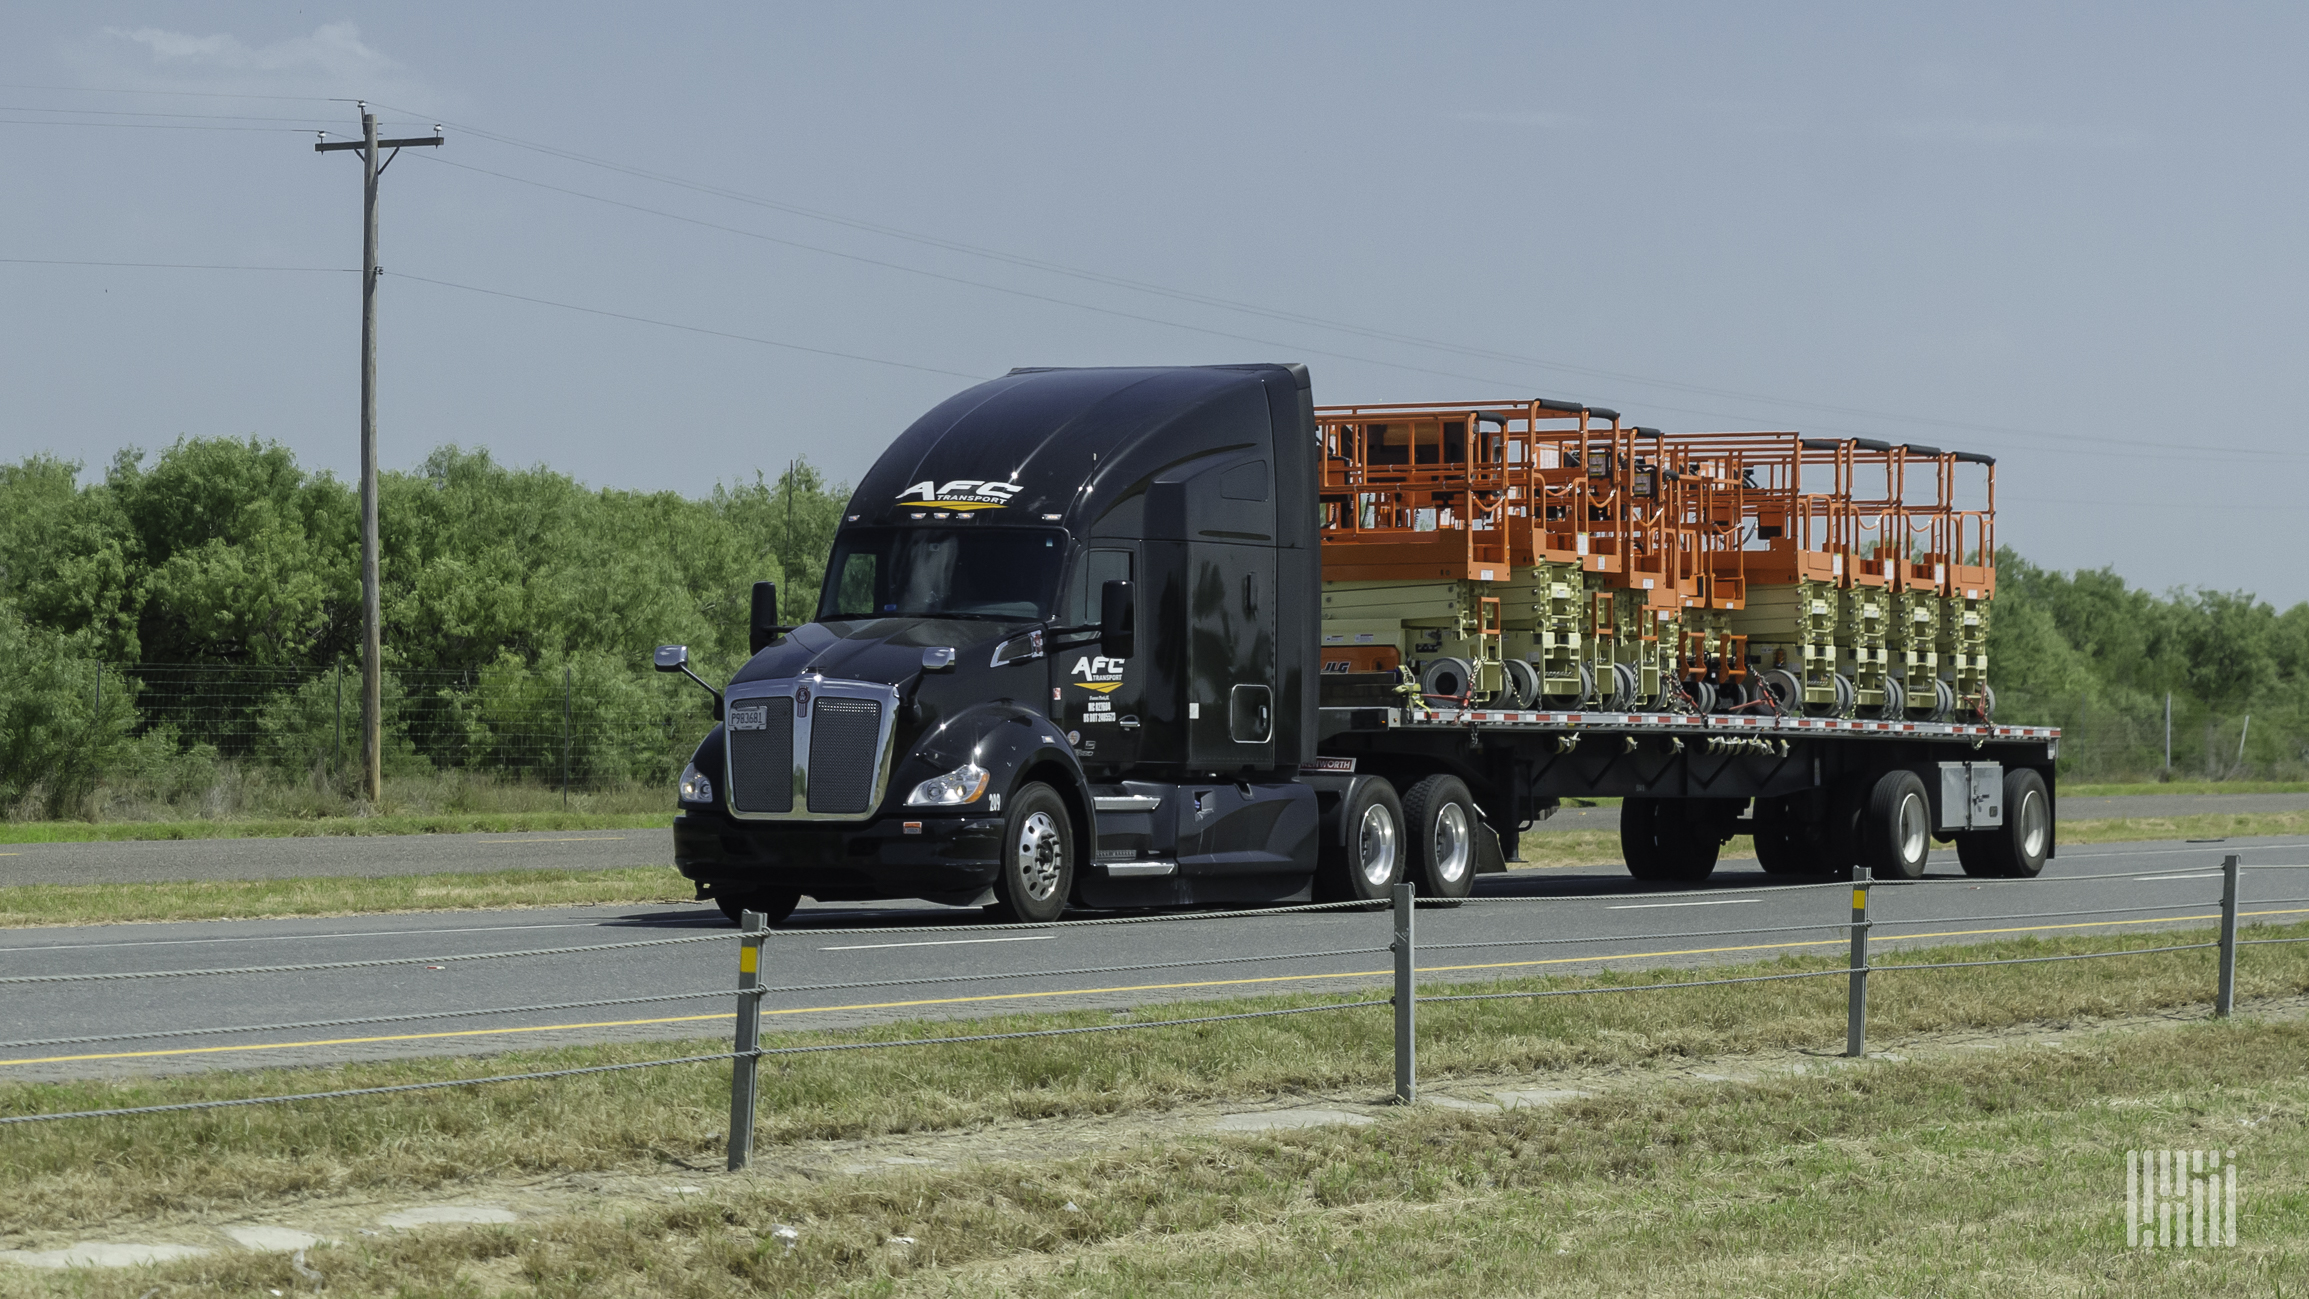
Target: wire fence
x,y
1863,923
2144,738
587,722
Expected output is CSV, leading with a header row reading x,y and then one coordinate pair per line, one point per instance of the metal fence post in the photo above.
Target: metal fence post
x,y
1856,999
1406,999
566,698
745,1064
2226,1000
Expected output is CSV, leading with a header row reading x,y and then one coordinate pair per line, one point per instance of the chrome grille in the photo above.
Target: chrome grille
x,y
845,751
761,740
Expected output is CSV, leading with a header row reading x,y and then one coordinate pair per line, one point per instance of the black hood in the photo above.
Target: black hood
x,y
887,651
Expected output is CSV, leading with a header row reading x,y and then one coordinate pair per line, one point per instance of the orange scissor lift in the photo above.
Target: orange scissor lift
x,y
1541,553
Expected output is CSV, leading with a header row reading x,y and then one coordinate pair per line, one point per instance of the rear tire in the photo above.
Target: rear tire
x,y
2018,848
1668,839
1036,875
1441,817
1368,866
1896,827
776,906
1784,839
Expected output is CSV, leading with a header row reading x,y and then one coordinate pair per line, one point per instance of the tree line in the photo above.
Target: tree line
x,y
509,591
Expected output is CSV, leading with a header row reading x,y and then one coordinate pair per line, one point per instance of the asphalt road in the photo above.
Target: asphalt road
x,y
1525,914
435,854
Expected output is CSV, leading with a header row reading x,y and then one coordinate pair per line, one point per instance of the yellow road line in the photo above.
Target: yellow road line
x,y
1086,992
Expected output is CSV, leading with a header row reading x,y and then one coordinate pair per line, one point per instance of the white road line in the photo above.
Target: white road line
x,y
10,950
943,942
2151,879
1648,906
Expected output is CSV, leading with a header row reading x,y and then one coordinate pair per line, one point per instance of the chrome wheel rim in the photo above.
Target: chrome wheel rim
x,y
1915,827
1375,846
1454,844
2035,826
1041,855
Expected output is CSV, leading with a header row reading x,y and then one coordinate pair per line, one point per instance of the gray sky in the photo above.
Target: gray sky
x,y
2065,235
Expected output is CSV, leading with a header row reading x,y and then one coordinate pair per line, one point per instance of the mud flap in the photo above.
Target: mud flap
x,y
1488,858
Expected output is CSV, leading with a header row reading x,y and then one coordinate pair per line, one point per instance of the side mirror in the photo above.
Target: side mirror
x,y
675,658
762,628
1117,620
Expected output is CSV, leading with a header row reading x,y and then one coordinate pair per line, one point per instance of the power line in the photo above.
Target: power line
x,y
122,112
1319,321
1140,317
177,266
693,329
150,126
197,94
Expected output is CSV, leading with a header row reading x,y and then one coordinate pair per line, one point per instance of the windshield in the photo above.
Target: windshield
x,y
1005,573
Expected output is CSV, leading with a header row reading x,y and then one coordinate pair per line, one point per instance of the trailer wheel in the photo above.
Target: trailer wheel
x,y
775,906
1368,866
1441,816
1037,872
1896,827
1668,839
1786,842
2018,848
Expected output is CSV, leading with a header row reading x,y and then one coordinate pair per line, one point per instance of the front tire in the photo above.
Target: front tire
x,y
1442,819
1036,875
776,906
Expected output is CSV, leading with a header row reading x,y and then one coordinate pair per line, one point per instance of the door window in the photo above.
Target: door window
x,y
1085,603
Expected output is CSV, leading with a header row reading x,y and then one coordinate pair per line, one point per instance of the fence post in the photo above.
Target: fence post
x,y
745,1064
565,705
2226,1000
1406,999
337,765
1856,998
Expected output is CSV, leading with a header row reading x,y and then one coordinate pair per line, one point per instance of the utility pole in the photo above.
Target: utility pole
x,y
372,610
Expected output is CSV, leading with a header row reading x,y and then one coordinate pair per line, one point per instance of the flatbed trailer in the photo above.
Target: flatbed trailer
x,y
1072,649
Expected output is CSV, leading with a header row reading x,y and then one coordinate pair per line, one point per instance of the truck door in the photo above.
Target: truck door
x,y
1230,656
1101,700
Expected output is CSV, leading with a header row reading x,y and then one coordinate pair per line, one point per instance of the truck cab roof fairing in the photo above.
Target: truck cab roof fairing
x,y
1065,446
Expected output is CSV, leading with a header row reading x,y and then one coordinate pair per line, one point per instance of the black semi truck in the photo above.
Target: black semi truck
x,y
1066,654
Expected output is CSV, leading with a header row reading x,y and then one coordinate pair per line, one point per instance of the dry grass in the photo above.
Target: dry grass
x,y
173,1167
1991,1176
84,904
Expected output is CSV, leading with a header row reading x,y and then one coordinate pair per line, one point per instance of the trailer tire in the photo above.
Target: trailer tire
x,y
1662,839
1369,864
1896,827
1036,874
1785,841
1442,819
775,906
2018,848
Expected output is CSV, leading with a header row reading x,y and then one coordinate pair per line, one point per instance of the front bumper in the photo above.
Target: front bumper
x,y
950,859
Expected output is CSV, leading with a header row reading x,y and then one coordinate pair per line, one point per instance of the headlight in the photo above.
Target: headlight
x,y
962,785
695,788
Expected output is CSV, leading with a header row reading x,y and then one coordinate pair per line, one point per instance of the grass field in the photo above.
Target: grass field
x,y
1989,1175
394,823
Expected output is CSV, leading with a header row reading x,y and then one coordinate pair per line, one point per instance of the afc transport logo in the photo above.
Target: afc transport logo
x,y
1098,673
962,494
